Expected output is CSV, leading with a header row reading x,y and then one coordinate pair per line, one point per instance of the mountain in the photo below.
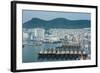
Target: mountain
x,y
56,23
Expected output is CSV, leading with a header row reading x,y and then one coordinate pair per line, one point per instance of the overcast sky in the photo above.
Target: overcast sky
x,y
49,15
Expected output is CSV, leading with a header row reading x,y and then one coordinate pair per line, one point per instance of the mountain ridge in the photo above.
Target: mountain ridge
x,y
56,23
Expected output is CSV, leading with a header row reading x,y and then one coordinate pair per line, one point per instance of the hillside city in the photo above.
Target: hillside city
x,y
67,37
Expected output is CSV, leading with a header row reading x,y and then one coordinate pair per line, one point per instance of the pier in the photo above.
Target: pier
x,y
61,54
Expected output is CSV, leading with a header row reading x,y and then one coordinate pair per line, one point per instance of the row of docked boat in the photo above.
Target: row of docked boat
x,y
53,51
62,55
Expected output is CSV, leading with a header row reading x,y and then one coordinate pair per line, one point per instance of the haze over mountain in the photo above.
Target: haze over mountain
x,y
56,23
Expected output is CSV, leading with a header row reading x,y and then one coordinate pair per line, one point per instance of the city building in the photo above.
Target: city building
x,y
38,33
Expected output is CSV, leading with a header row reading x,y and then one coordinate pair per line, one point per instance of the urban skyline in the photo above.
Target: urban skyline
x,y
55,35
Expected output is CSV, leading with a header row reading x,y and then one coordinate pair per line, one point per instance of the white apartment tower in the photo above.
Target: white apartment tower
x,y
39,33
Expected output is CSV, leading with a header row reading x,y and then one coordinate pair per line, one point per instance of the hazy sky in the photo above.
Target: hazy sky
x,y
49,15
